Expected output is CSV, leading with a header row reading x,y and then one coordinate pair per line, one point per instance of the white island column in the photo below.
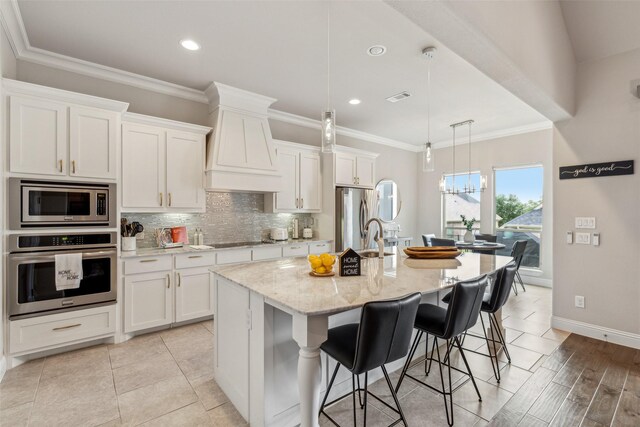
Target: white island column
x,y
309,332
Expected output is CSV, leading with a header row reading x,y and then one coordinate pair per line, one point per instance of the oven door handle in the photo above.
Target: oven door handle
x,y
50,256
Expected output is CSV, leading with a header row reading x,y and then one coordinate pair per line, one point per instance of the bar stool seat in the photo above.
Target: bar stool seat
x,y
341,344
431,318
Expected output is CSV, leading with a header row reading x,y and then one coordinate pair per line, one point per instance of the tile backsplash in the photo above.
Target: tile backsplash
x,y
230,217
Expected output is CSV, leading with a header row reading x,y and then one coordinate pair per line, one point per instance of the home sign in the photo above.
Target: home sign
x,y
623,167
349,263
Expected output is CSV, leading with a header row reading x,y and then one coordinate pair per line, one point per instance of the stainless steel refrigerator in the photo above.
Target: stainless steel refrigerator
x,y
354,207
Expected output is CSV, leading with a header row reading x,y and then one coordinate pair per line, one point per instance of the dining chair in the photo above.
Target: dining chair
x,y
436,241
382,336
517,253
487,237
426,239
447,324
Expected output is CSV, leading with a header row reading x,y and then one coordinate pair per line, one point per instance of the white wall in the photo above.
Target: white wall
x,y
516,150
606,127
393,163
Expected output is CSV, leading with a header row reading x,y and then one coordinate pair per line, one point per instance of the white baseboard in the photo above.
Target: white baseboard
x,y
536,281
598,332
3,367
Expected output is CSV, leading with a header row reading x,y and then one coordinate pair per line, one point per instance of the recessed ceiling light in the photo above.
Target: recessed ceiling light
x,y
189,44
354,101
377,50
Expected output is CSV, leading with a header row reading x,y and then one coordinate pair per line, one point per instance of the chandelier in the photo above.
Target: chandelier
x,y
469,187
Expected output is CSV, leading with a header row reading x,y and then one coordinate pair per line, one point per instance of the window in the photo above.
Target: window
x,y
518,208
455,205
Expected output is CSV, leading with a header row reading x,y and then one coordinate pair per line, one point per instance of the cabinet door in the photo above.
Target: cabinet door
x,y
365,171
345,169
148,301
287,199
194,293
143,167
37,137
310,182
185,170
92,143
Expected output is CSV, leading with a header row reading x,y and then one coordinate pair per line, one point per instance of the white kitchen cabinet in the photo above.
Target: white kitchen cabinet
x,y
93,139
148,301
162,166
354,169
301,175
37,136
59,133
319,248
194,293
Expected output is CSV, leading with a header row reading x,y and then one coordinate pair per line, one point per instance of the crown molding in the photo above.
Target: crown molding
x,y
142,119
533,127
341,130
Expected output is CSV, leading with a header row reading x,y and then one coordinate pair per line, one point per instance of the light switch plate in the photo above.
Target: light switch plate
x,y
585,222
596,239
583,238
579,301
570,237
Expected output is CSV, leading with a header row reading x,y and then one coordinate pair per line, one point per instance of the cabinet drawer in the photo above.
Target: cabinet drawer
x,y
147,264
62,328
319,248
295,250
206,259
271,252
233,256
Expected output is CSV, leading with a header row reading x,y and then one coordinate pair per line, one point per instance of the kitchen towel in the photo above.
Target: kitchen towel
x,y
68,271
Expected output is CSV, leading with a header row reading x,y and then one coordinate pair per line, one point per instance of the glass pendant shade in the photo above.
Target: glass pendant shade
x,y
328,131
428,164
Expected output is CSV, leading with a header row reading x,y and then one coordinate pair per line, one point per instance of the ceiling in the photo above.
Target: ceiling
x,y
598,29
279,49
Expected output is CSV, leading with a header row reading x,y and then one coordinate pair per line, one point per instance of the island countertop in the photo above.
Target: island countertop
x,y
287,282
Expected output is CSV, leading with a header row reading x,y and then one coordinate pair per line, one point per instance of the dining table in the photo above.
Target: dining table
x,y
480,246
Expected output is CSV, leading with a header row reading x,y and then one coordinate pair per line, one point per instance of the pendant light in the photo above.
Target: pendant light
x,y
469,187
428,164
328,118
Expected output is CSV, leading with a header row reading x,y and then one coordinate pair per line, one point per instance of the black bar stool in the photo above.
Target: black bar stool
x,y
447,324
382,336
517,253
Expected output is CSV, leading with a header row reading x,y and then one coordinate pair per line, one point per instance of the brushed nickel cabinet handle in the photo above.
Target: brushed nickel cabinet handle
x,y
169,198
294,247
73,166
148,260
62,328
296,203
160,199
60,164
195,256
301,203
179,280
168,281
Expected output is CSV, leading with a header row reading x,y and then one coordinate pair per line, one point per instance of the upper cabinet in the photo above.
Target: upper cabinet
x,y
354,168
302,183
58,133
162,165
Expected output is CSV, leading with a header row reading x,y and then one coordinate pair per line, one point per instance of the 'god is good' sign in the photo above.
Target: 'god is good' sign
x,y
349,263
623,167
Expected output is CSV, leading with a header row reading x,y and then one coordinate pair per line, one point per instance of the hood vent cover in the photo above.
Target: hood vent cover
x,y
240,151
399,96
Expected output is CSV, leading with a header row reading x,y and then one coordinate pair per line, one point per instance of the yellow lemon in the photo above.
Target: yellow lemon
x,y
327,260
321,270
315,263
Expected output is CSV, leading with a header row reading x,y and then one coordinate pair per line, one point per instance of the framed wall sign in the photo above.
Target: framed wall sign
x,y
593,170
350,263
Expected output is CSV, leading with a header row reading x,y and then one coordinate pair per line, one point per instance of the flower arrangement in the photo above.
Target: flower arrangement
x,y
468,223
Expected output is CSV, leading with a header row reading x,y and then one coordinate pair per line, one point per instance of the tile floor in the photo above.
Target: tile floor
x,y
165,379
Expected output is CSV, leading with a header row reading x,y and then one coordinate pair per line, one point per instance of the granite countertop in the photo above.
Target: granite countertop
x,y
142,252
287,283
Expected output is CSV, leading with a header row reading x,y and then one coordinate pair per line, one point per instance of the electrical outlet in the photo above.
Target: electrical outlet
x,y
583,238
579,301
140,236
596,239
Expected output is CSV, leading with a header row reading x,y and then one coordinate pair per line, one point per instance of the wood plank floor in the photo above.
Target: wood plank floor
x,y
584,382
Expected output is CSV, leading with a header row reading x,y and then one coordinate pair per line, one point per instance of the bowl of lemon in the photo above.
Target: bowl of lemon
x,y
322,265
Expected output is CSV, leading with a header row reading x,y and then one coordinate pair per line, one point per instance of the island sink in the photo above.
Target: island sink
x,y
372,254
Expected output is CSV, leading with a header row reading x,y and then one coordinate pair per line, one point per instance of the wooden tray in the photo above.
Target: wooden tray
x,y
432,254
314,274
432,248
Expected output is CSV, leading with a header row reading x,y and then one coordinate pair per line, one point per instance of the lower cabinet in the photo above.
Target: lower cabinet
x,y
148,301
161,298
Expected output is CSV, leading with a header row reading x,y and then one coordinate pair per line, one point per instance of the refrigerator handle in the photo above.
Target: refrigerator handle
x,y
362,219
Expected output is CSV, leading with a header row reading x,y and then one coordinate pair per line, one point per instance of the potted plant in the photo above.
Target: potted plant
x,y
468,224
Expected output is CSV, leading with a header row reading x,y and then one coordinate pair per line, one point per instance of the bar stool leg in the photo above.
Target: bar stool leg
x,y
395,397
464,359
326,395
412,351
366,381
448,406
496,366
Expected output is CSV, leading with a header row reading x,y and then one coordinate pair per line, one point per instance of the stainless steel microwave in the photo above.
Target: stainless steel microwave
x,y
40,203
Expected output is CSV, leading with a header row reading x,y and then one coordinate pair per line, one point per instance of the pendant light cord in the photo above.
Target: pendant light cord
x,y
328,54
469,172
429,101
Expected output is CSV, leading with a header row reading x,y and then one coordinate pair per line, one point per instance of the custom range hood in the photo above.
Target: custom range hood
x,y
240,151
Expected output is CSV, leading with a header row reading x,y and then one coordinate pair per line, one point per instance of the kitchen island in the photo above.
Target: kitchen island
x,y
271,318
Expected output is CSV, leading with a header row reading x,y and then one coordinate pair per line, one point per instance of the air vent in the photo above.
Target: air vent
x,y
398,97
